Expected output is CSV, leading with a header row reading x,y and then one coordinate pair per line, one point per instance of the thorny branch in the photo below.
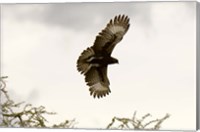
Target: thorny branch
x,y
137,124
24,115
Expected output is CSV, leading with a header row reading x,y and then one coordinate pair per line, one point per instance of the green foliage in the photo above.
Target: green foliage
x,y
25,115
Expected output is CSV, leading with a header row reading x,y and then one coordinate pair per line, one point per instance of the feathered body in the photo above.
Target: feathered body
x,y
94,60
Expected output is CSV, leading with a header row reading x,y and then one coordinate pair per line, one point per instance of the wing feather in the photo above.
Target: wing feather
x,y
82,65
112,34
98,81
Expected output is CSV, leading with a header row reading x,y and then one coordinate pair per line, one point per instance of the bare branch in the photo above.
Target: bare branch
x,y
27,115
137,124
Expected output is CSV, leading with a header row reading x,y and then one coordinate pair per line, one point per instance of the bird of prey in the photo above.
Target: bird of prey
x,y
93,61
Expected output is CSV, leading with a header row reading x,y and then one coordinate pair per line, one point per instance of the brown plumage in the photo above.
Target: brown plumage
x,y
93,61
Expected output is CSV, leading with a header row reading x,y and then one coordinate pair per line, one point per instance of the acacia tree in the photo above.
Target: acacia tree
x,y
21,114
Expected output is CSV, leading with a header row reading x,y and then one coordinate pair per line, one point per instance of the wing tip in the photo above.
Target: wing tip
x,y
120,23
120,17
98,92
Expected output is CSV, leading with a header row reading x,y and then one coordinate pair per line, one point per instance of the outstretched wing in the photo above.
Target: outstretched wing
x,y
112,34
98,82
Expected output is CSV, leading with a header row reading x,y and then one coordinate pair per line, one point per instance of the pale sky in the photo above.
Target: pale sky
x,y
157,60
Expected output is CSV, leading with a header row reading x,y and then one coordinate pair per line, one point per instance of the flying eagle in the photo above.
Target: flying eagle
x,y
93,61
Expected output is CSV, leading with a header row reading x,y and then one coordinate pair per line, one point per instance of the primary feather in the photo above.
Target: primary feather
x,y
94,60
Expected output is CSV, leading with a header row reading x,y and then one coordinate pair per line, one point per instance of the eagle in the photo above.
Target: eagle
x,y
93,61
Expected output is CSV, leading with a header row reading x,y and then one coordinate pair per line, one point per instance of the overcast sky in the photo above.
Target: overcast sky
x,y
156,73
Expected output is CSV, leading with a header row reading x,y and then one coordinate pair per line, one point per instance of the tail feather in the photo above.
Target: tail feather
x,y
82,65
